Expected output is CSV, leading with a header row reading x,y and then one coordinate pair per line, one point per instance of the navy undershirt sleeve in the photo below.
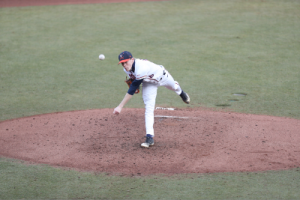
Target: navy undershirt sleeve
x,y
134,85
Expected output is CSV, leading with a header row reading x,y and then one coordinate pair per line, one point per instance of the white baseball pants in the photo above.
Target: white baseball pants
x,y
149,97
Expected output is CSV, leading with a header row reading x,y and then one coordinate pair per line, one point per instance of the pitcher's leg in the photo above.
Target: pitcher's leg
x,y
149,97
173,85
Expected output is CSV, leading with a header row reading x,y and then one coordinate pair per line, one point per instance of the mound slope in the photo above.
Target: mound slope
x,y
205,141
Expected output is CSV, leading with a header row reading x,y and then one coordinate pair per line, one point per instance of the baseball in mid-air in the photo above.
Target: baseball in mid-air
x,y
101,57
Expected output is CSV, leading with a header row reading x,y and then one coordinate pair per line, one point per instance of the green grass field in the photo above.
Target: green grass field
x,y
49,62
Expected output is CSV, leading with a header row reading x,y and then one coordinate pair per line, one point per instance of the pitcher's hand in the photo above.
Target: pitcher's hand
x,y
117,110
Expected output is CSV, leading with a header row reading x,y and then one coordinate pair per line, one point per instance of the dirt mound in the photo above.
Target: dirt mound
x,y
186,141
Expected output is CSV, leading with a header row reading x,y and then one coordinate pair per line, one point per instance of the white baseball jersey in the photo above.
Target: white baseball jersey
x,y
146,70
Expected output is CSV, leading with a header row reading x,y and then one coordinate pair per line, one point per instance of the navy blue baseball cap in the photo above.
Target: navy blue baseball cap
x,y
124,56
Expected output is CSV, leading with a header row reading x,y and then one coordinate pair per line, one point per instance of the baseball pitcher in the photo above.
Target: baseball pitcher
x,y
152,76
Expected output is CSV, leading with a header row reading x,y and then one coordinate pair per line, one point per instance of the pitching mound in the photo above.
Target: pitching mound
x,y
191,141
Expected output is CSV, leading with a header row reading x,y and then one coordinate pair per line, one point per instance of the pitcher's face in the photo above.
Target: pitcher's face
x,y
128,65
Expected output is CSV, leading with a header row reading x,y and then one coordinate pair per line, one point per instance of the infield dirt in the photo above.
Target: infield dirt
x,y
205,142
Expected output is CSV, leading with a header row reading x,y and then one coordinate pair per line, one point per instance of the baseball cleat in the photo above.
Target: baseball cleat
x,y
149,142
185,97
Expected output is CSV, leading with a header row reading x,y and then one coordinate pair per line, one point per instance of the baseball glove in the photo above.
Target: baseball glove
x,y
129,81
